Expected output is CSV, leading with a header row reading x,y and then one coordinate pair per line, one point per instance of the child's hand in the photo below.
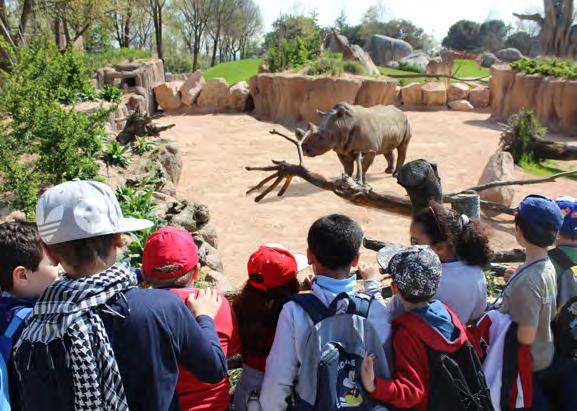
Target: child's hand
x,y
368,373
206,302
370,272
308,281
509,273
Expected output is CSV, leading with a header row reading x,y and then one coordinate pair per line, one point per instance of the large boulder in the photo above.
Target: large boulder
x,y
383,49
237,96
340,44
376,92
457,91
418,59
191,88
412,94
213,95
487,59
171,161
500,167
333,42
434,94
509,55
480,97
460,105
168,95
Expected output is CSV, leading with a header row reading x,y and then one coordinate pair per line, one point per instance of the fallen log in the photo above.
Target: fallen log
x,y
139,124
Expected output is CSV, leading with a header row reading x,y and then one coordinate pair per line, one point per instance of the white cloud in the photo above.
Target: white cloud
x,y
434,16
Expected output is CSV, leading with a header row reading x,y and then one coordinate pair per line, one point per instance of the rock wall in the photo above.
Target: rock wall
x,y
553,99
291,99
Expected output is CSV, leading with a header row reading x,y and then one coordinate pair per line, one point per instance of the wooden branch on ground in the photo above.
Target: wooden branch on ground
x,y
296,142
140,124
553,150
494,184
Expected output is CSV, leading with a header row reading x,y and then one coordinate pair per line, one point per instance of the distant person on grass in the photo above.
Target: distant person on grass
x,y
25,272
170,262
95,341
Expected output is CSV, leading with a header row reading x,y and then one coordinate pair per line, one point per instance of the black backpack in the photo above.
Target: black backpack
x,y
457,381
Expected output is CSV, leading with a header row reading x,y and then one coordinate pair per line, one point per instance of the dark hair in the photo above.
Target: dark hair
x,y
415,300
335,241
20,245
536,235
80,253
181,281
469,241
257,314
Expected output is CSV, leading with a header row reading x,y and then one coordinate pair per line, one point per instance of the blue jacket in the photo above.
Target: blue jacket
x,y
8,307
157,333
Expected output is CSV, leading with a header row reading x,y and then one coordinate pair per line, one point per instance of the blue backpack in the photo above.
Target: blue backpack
x,y
328,377
6,343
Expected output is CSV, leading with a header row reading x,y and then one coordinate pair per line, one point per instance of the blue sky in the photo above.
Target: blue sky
x,y
435,16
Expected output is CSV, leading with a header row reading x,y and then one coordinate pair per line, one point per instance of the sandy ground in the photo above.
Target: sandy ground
x,y
216,148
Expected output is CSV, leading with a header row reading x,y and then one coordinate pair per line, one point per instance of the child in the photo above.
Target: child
x,y
463,248
426,332
333,249
95,340
25,273
272,272
170,261
564,256
529,296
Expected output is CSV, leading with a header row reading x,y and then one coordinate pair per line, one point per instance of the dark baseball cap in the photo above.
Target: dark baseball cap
x,y
416,271
541,212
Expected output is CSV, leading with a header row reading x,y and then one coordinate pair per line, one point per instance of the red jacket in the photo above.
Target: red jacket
x,y
409,388
193,394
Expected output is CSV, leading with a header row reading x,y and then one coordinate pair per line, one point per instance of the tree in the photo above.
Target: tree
x,y
197,14
405,30
155,8
558,34
522,41
493,34
463,35
122,21
222,13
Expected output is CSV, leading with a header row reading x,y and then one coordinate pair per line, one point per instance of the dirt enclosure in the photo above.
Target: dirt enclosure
x,y
216,148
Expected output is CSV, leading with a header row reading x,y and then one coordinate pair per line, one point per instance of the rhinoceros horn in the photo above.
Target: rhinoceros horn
x,y
321,113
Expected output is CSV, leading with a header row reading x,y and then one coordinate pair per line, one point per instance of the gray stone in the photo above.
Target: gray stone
x,y
219,281
509,55
237,96
418,59
487,59
209,257
460,105
383,49
171,162
207,233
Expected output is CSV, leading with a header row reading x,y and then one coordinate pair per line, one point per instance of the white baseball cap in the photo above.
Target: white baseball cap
x,y
82,209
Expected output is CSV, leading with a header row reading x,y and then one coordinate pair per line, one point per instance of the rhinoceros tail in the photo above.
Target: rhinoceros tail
x,y
407,136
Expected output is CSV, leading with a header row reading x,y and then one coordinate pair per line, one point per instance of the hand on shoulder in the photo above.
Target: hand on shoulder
x,y
205,302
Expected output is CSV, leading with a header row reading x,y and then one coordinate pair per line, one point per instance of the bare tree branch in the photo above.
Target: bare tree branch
x,y
537,18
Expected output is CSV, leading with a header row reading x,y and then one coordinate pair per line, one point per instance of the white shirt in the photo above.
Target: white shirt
x,y
294,325
463,288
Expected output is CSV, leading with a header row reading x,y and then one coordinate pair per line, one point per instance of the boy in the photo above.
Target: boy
x,y
564,256
170,261
333,249
25,273
426,327
94,341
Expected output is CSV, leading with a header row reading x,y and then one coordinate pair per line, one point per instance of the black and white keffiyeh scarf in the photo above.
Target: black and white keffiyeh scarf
x,y
70,307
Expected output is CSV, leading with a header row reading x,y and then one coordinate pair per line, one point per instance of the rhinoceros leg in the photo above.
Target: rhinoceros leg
x,y
401,155
390,157
367,159
348,162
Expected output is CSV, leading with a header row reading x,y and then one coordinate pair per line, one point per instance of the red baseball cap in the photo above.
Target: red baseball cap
x,y
273,265
169,245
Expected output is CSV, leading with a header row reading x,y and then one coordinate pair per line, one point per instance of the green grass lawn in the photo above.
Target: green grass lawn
x,y
547,168
461,68
233,71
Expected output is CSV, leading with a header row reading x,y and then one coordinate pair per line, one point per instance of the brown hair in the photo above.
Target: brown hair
x,y
80,253
181,281
470,241
19,246
257,313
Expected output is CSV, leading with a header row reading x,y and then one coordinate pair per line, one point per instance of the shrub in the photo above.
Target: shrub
x,y
325,66
403,65
522,129
354,67
115,154
178,63
549,67
110,93
141,146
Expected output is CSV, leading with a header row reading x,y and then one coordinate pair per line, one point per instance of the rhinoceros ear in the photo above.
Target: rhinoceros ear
x,y
312,127
321,113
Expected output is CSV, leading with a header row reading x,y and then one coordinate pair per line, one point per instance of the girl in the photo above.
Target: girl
x,y
272,271
463,248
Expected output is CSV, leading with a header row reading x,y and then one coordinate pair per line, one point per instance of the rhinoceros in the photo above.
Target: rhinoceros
x,y
358,134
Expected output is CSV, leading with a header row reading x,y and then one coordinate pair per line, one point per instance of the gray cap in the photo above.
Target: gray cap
x,y
82,209
416,271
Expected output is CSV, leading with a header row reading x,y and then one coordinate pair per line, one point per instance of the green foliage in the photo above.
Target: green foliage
x,y
493,286
493,34
411,68
110,93
328,64
178,63
463,35
405,30
43,143
115,56
354,67
115,154
548,67
522,128
234,71
141,146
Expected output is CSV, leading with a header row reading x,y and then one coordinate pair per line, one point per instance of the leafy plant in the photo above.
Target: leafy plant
x,y
326,65
141,146
403,65
522,128
548,67
115,154
178,63
354,67
114,56
493,286
110,93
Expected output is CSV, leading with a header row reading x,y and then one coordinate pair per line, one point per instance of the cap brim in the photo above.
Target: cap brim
x,y
302,261
128,224
386,253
